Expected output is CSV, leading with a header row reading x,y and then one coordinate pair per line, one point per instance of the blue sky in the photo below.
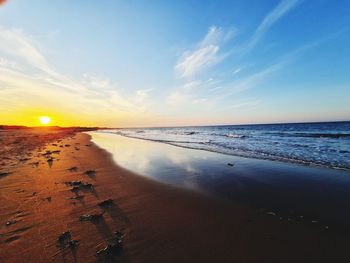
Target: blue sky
x,y
160,63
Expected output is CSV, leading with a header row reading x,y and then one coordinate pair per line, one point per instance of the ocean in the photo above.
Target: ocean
x,y
298,172
318,144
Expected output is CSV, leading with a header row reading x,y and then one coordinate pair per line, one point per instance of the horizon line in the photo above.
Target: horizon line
x,y
176,126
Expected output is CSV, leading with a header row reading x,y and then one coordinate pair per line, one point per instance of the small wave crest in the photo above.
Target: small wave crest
x,y
237,136
324,135
230,135
311,135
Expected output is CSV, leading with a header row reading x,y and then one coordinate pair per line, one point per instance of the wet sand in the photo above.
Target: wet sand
x,y
161,223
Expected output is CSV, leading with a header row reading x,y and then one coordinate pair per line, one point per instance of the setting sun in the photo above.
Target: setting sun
x,y
44,120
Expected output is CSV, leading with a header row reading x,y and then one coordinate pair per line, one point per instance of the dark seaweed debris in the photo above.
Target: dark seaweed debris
x,y
3,174
110,250
92,218
64,237
79,197
82,186
79,185
74,183
73,169
50,161
90,173
114,246
105,203
65,240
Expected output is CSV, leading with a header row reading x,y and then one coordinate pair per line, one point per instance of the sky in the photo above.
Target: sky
x,y
171,63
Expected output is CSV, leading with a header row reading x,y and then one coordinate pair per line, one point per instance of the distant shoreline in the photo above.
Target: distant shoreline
x,y
176,126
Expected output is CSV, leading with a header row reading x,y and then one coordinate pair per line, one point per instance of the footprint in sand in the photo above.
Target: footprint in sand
x,y
11,239
15,234
23,160
49,198
91,173
50,162
20,230
106,203
34,164
73,169
20,214
3,174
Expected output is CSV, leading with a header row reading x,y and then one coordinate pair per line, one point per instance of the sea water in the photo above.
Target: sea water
x,y
322,144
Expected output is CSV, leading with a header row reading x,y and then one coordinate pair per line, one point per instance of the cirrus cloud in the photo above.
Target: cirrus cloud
x,y
206,54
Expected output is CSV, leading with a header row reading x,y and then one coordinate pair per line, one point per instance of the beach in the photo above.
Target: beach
x,y
45,191
175,131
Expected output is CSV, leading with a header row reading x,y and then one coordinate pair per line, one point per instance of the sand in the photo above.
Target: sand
x,y
160,223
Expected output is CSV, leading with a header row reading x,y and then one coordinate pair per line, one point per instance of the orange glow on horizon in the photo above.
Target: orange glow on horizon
x,y
32,117
41,116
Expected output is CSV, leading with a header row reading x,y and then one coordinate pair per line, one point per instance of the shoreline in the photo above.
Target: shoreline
x,y
280,160
267,157
264,185
161,223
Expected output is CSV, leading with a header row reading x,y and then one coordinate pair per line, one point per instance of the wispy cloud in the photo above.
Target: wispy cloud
x,y
190,92
207,53
250,81
176,98
182,94
255,79
8,63
15,43
217,36
236,71
270,19
193,62
141,95
242,105
200,100
38,80
202,93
